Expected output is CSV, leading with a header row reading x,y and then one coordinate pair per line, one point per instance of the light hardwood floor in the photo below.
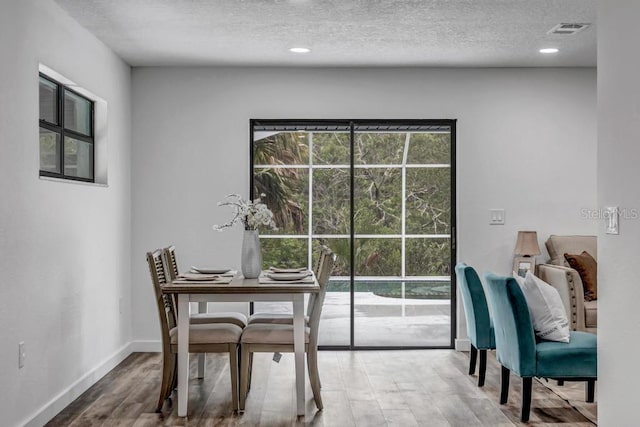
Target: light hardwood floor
x,y
365,388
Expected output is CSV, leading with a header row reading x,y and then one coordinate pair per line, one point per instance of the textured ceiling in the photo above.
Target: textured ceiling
x,y
440,33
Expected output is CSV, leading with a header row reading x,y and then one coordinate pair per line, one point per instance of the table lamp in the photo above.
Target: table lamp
x,y
526,250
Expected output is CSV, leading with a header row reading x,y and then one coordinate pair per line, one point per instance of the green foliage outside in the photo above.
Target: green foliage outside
x,y
378,202
49,158
284,253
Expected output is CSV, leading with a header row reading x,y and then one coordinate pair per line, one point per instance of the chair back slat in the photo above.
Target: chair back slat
x,y
171,267
317,266
325,265
164,302
171,263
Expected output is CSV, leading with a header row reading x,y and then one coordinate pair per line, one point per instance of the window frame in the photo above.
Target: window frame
x,y
63,132
353,126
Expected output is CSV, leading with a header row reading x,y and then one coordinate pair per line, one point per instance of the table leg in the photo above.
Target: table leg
x,y
183,353
298,347
202,308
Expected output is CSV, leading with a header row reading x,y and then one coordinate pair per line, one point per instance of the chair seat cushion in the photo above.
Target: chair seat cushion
x,y
278,318
210,333
577,358
265,333
234,318
591,314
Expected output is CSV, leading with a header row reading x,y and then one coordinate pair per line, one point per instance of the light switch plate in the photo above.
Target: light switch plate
x,y
496,216
611,216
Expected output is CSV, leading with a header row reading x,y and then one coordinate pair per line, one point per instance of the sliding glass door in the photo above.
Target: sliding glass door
x,y
380,194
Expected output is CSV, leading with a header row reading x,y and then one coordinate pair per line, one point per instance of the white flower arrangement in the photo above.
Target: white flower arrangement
x,y
253,214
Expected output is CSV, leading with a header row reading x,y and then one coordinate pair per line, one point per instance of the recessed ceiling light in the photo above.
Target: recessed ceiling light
x,y
549,50
300,50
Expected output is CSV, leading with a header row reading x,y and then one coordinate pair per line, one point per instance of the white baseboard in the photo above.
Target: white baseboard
x,y
62,400
462,344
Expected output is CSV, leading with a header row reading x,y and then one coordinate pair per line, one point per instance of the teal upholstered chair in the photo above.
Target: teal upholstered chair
x,y
479,325
518,349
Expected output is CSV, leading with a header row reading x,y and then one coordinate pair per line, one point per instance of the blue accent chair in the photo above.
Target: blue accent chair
x,y
520,352
479,325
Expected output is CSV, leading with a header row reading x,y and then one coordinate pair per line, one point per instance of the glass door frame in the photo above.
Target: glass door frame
x,y
381,123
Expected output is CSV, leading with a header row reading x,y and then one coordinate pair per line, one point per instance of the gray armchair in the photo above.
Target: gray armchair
x,y
582,314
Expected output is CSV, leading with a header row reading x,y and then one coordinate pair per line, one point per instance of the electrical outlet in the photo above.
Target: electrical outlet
x,y
22,354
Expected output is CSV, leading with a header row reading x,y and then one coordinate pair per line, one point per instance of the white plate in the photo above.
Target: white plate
x,y
287,270
210,270
288,276
199,277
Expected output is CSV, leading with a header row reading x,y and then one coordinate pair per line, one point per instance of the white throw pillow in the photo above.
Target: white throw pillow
x,y
545,307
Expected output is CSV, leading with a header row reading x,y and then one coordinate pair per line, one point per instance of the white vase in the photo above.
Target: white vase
x,y
251,262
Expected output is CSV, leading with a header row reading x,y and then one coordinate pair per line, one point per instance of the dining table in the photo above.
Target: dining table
x,y
239,289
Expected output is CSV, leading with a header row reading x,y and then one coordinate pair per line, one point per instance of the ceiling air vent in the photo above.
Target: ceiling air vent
x,y
567,29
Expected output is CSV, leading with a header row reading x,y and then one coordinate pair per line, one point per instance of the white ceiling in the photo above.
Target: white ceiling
x,y
438,33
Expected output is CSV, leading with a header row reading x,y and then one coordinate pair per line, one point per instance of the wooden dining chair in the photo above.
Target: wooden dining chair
x,y
203,338
274,337
287,318
236,318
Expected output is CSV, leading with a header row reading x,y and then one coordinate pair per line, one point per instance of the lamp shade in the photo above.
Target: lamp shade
x,y
527,243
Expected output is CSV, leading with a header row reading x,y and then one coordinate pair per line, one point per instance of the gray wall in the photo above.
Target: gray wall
x,y
64,247
618,185
526,143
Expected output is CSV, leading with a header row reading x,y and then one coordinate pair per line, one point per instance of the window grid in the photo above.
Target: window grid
x,y
403,236
64,132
